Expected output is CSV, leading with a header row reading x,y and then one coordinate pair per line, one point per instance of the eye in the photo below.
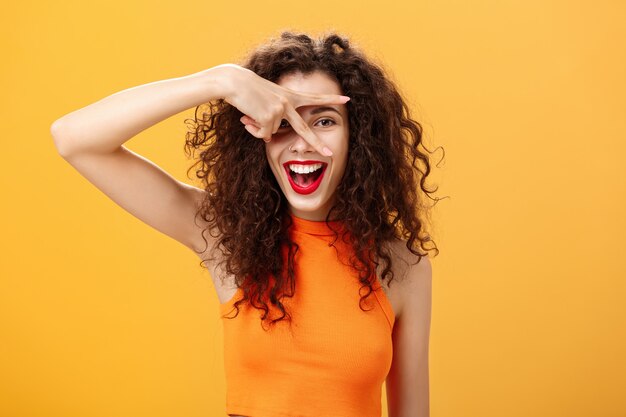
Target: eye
x,y
284,124
329,123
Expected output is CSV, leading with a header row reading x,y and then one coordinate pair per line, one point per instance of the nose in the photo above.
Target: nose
x,y
299,145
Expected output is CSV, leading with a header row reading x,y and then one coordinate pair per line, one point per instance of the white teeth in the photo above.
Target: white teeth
x,y
304,169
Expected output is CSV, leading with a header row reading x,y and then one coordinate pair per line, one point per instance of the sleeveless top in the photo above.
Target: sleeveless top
x,y
334,359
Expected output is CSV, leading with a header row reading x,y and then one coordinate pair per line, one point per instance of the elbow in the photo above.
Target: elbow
x,y
60,137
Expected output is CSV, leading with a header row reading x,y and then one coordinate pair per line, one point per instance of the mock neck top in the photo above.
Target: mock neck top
x,y
334,359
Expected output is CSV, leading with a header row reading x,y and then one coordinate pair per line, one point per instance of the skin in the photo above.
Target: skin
x,y
330,126
265,104
408,380
91,140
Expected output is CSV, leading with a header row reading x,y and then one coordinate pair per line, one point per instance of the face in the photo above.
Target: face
x,y
307,178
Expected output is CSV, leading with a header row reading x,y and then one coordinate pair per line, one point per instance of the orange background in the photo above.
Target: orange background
x,y
102,316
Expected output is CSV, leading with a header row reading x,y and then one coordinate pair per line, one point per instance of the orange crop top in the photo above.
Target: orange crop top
x,y
336,357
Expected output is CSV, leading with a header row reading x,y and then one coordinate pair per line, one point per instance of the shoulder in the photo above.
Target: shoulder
x,y
408,380
412,276
407,266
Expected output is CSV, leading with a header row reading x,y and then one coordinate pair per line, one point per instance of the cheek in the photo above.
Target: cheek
x,y
272,159
344,161
272,150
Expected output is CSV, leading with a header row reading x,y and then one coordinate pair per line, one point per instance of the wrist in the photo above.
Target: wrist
x,y
219,81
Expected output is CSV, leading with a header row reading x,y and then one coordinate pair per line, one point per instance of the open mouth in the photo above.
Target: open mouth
x,y
305,178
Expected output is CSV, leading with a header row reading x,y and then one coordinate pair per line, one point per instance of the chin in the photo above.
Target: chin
x,y
314,206
314,209
307,207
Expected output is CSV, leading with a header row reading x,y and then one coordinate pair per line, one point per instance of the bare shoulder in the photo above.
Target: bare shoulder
x,y
408,379
412,274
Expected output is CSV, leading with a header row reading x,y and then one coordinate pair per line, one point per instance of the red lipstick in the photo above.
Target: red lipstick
x,y
311,187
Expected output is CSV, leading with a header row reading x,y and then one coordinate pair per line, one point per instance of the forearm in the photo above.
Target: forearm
x,y
106,124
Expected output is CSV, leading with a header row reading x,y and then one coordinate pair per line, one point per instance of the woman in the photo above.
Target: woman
x,y
325,206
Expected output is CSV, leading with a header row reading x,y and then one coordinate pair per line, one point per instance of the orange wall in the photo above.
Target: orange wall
x,y
102,316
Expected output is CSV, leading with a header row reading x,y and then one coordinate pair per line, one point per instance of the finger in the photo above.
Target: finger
x,y
307,134
303,99
265,133
254,131
276,126
247,120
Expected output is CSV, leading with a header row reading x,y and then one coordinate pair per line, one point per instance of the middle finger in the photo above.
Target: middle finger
x,y
300,126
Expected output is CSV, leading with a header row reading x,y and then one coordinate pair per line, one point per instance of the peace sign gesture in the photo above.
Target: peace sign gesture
x,y
265,104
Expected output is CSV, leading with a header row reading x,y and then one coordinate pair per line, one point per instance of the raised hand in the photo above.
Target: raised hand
x,y
265,104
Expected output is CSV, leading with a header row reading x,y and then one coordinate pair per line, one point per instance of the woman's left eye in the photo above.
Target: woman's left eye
x,y
331,122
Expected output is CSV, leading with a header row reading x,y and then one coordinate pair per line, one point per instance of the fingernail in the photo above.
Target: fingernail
x,y
345,98
327,151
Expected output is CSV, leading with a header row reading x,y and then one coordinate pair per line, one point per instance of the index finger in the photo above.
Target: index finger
x,y
303,130
302,99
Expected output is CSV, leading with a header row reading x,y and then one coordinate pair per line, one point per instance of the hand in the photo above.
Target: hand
x,y
265,104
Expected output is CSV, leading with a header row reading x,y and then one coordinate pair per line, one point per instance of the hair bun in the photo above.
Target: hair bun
x,y
337,43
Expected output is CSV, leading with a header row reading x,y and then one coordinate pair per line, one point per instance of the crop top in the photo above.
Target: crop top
x,y
335,358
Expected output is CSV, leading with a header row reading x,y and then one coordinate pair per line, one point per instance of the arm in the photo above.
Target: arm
x,y
408,381
91,140
102,127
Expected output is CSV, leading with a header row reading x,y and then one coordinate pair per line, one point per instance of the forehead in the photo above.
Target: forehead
x,y
315,83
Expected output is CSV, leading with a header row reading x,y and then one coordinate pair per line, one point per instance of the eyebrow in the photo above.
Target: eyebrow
x,y
323,109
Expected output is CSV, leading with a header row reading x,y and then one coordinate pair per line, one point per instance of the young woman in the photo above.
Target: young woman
x,y
311,205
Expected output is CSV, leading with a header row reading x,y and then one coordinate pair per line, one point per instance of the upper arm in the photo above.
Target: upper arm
x,y
408,379
146,191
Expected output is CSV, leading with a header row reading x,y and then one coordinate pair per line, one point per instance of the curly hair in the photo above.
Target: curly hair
x,y
378,198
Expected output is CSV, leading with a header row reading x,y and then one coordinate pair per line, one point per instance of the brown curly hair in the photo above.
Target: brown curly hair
x,y
378,198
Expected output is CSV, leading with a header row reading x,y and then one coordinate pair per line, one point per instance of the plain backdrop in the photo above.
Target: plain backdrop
x,y
102,316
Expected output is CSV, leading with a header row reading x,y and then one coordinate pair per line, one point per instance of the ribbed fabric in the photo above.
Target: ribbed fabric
x,y
336,357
